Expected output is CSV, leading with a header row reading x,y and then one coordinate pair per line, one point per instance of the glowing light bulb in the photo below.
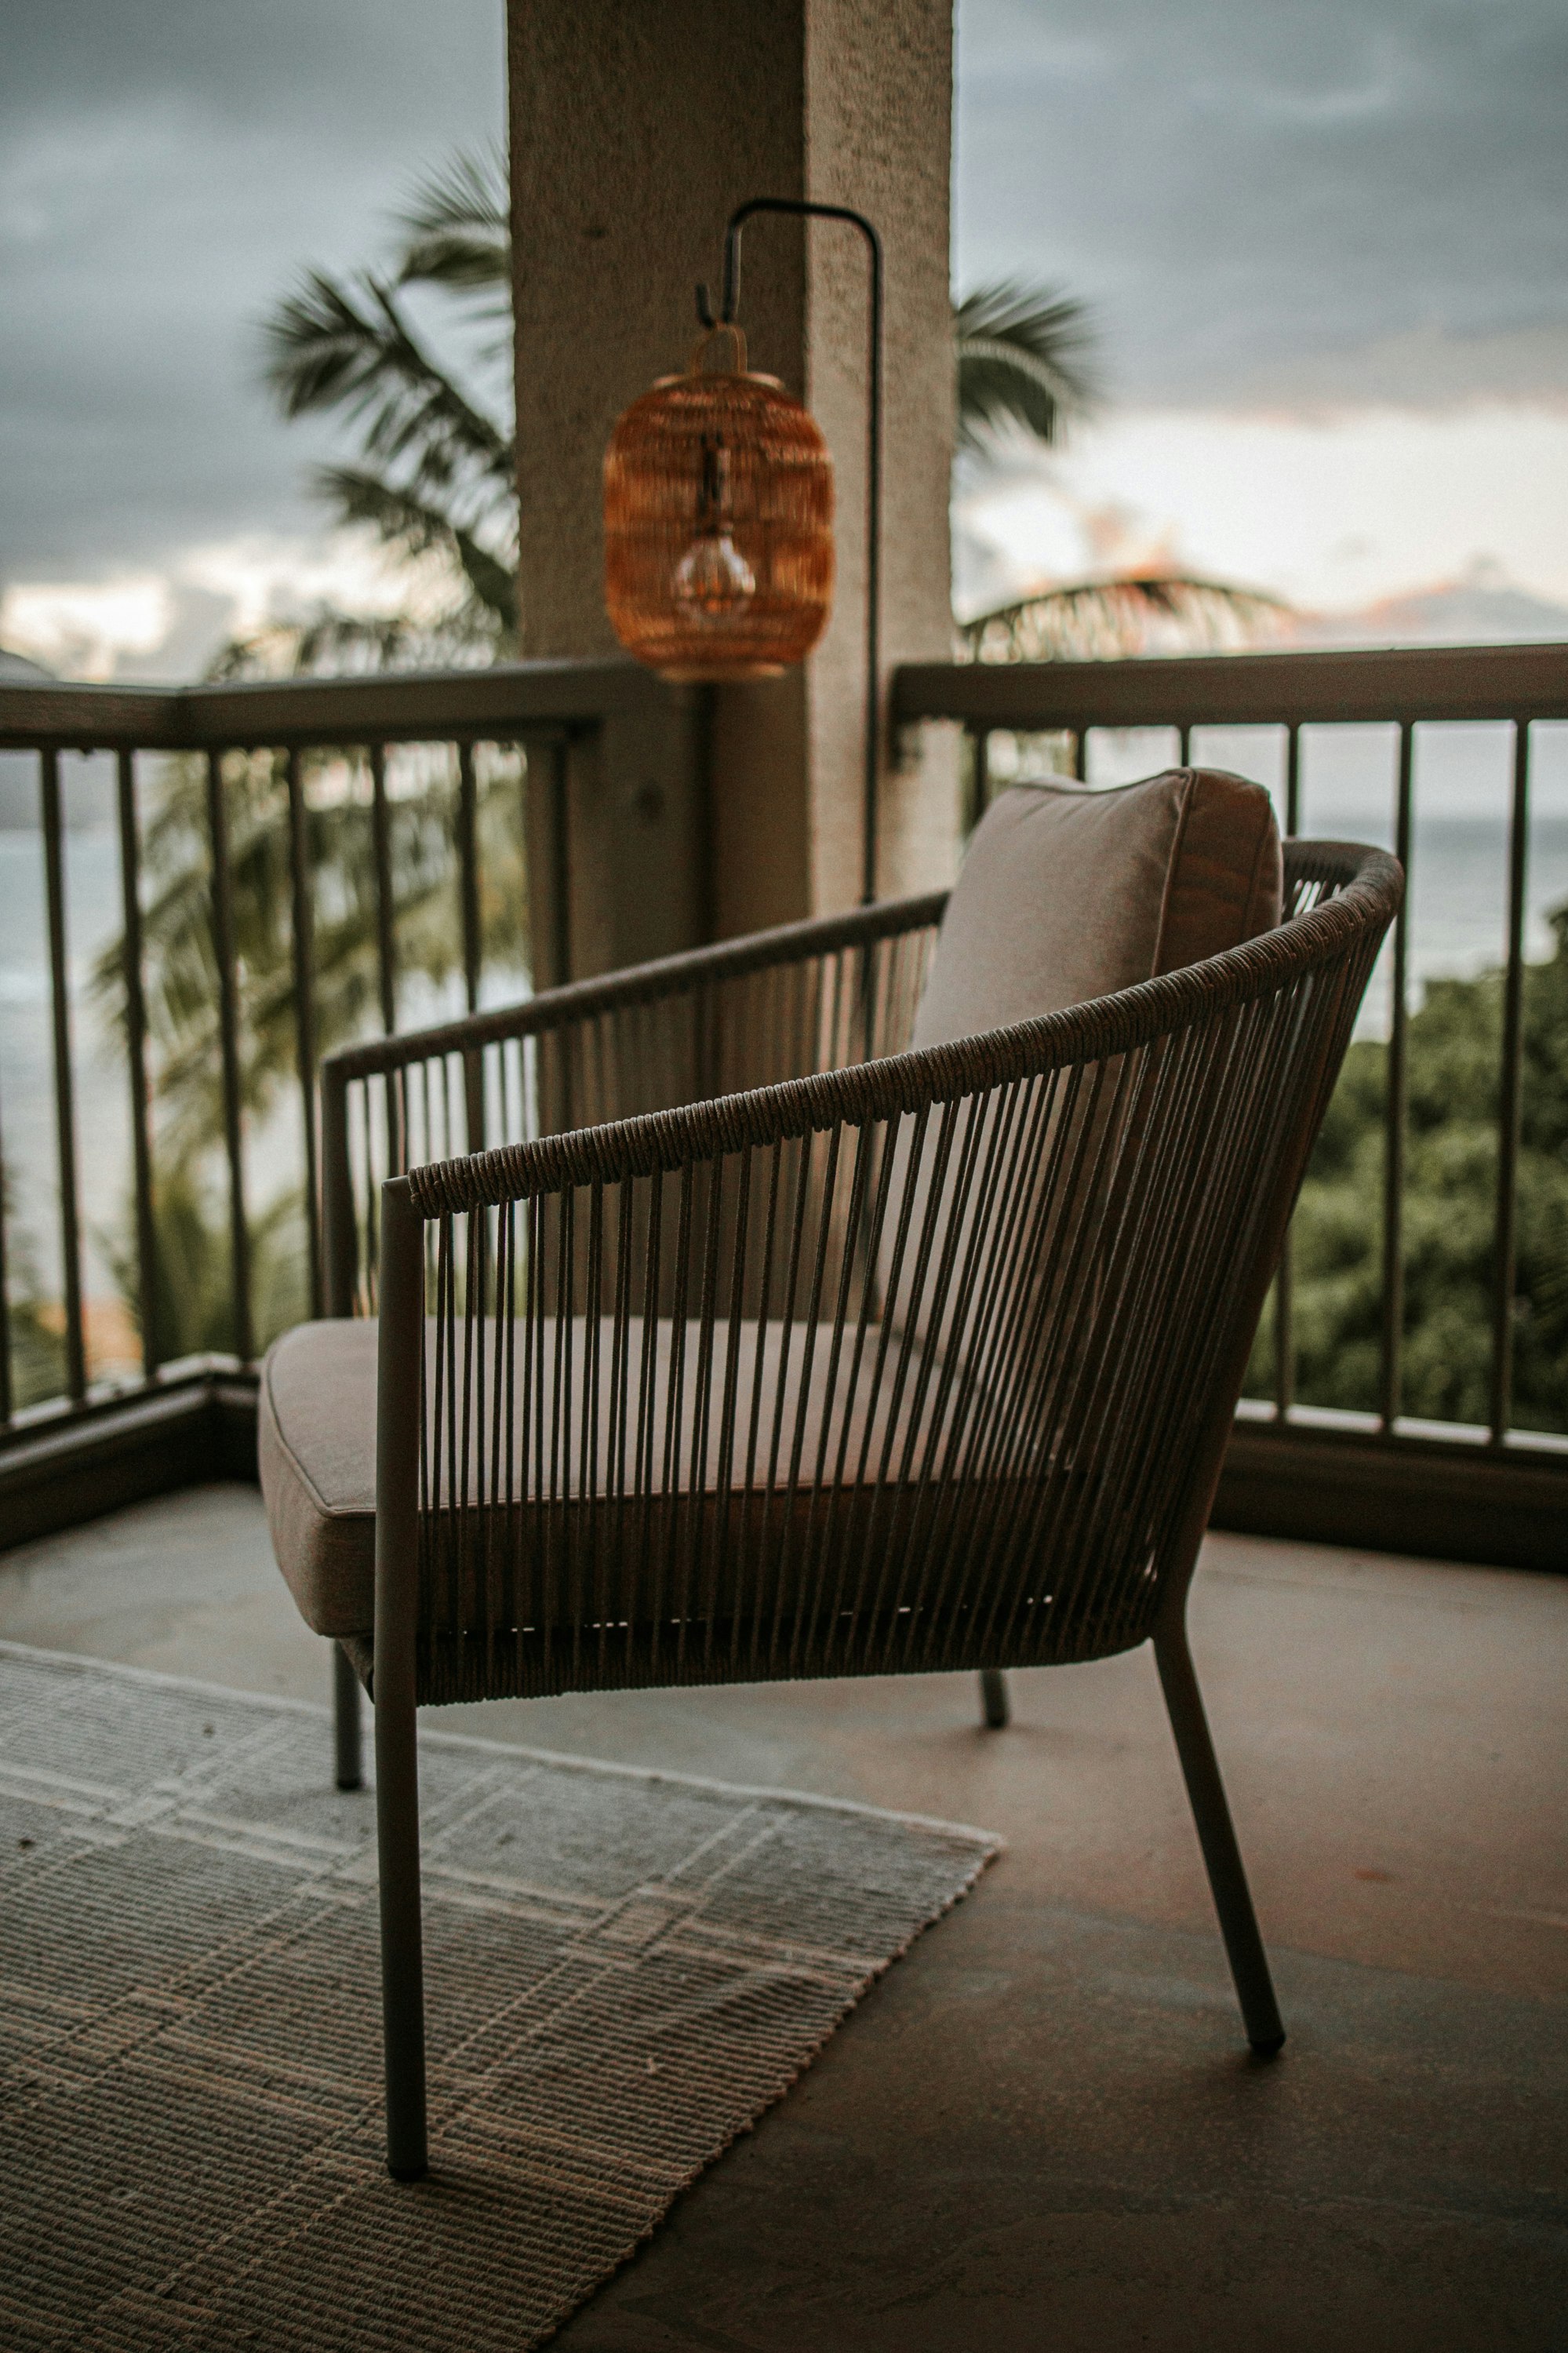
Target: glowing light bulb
x,y
714,578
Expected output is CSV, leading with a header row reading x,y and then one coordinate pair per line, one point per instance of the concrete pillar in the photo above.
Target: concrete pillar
x,y
636,126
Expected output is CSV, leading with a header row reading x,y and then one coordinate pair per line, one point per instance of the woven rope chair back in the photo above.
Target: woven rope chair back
x,y
916,1361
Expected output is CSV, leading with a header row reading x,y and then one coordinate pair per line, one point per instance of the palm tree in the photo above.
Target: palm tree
x,y
435,471
434,478
1119,617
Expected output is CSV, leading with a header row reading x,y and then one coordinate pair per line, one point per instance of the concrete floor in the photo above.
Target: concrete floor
x,y
1043,2129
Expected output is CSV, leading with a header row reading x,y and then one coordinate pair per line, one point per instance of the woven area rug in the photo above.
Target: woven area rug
x,y
624,1970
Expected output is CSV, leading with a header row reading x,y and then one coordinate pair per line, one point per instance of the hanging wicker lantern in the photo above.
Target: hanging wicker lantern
x,y
718,521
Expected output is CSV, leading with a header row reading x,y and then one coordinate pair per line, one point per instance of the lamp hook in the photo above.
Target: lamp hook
x,y
802,209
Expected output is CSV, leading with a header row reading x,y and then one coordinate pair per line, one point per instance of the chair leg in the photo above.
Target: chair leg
x,y
995,1708
347,1746
1216,1836
402,1954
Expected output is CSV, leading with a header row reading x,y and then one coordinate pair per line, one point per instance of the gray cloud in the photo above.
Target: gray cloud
x,y
367,71
1308,201
1262,200
165,165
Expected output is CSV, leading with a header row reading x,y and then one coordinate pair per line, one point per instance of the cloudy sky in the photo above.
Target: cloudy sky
x,y
1327,244
166,166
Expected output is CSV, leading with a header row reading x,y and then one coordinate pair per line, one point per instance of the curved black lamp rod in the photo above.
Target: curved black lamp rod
x,y
801,209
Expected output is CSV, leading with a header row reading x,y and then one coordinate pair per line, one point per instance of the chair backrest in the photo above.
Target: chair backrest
x,y
1078,1261
1068,894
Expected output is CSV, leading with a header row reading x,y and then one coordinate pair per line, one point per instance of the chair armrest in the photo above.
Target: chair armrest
x,y
579,1002
717,1020
1366,884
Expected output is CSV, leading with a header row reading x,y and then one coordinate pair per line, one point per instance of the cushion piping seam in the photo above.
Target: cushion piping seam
x,y
328,1511
1172,862
1252,884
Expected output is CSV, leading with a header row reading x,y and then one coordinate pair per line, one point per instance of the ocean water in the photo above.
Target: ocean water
x,y
1458,897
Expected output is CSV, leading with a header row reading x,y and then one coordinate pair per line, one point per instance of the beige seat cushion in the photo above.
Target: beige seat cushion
x,y
1068,894
317,1447
316,1450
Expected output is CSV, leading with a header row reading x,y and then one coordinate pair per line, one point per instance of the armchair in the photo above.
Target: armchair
x,y
718,1336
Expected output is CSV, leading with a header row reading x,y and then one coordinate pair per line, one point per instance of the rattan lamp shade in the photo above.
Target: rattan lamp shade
x,y
718,523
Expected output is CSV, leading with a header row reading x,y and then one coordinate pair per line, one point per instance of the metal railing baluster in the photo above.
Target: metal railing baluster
x,y
468,871
136,1061
229,1041
303,951
468,910
339,1225
65,1104
976,777
1505,1250
7,1393
560,856
386,933
1284,1279
385,904
1391,1306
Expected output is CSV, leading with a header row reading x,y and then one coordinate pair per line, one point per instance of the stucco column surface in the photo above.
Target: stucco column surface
x,y
636,126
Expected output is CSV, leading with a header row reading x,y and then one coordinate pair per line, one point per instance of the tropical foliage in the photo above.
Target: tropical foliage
x,y
1449,1240
1119,617
435,476
1026,362
193,1310
35,1324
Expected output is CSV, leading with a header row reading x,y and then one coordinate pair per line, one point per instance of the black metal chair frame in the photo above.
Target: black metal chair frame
x,y
1020,1274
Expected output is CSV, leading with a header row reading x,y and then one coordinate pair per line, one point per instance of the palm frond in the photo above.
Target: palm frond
x,y
1117,618
349,348
404,521
458,226
1023,356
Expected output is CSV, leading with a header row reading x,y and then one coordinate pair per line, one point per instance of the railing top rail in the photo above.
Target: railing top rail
x,y
1528,681
494,703
1416,683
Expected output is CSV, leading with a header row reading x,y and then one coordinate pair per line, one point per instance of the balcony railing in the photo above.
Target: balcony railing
x,y
216,886
1456,759
282,870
